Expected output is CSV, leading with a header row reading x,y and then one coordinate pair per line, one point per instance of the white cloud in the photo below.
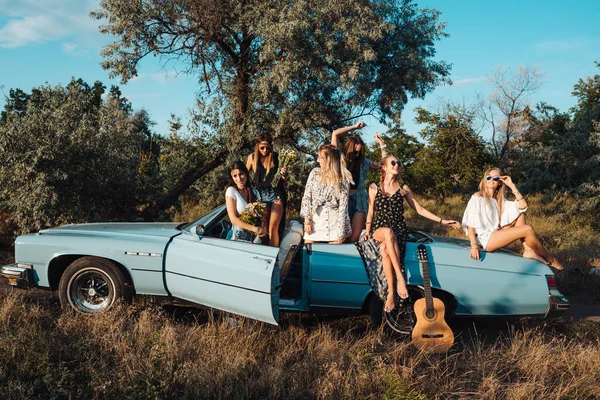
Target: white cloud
x,y
467,81
39,21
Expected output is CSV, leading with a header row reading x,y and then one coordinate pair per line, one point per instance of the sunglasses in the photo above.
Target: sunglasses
x,y
264,147
394,163
496,178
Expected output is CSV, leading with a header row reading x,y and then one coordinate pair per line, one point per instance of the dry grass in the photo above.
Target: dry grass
x,y
140,351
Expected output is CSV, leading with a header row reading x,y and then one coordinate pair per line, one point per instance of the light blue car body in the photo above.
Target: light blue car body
x,y
163,259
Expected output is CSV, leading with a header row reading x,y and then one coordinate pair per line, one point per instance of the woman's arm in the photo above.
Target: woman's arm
x,y
370,212
379,140
339,132
235,220
474,248
306,205
249,163
422,211
518,196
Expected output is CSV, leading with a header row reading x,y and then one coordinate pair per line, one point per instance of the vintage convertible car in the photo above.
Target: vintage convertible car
x,y
93,265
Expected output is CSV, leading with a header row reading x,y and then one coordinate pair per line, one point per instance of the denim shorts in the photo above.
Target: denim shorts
x,y
353,205
269,196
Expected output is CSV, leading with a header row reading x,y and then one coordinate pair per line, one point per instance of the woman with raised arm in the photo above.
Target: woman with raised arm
x,y
358,165
325,200
384,244
492,222
237,196
264,162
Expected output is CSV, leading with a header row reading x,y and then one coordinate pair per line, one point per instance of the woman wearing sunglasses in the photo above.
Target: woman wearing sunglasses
x,y
264,162
384,243
491,221
325,201
358,165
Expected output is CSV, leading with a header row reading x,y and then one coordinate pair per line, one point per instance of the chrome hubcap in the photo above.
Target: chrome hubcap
x,y
91,291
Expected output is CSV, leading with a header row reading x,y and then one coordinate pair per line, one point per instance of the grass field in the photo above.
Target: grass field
x,y
146,351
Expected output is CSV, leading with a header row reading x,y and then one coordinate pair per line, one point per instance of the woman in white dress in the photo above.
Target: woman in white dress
x,y
492,222
237,197
325,200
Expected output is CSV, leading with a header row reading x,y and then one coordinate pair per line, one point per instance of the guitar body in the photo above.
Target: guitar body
x,y
431,332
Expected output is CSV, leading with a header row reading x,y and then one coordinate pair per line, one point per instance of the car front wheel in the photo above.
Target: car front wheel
x,y
91,285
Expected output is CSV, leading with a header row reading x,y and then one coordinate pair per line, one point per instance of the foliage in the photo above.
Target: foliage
x,y
293,69
69,156
455,155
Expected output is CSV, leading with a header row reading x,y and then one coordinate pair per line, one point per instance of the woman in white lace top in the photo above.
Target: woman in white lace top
x,y
492,222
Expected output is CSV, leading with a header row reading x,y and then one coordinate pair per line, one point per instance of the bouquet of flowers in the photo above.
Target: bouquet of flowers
x,y
253,215
287,158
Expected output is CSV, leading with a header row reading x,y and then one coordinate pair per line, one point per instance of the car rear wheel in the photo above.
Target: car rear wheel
x,y
91,285
402,318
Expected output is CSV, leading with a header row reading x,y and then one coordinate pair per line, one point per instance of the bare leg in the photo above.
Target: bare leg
x,y
389,276
508,235
358,222
386,235
276,213
527,251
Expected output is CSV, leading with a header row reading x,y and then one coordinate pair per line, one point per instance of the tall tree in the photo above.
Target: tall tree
x,y
293,69
505,110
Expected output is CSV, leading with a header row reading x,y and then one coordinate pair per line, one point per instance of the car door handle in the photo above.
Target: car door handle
x,y
268,260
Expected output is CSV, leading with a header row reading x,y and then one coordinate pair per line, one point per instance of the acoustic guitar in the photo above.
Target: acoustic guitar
x,y
431,332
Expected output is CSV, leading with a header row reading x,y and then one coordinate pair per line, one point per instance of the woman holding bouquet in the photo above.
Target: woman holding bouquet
x,y
264,162
325,200
358,165
237,196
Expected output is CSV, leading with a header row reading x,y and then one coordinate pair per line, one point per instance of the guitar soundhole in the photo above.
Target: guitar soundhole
x,y
430,314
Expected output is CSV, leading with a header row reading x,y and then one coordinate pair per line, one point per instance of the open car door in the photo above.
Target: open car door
x,y
234,276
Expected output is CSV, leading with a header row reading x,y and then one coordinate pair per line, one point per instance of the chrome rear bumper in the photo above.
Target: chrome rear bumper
x,y
18,275
558,305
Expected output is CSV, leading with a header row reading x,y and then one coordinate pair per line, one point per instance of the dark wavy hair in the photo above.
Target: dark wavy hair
x,y
354,158
242,167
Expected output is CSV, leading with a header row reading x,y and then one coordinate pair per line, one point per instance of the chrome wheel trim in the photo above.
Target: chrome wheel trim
x,y
91,290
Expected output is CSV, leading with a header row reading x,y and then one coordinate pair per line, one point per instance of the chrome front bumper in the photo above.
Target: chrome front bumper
x,y
18,275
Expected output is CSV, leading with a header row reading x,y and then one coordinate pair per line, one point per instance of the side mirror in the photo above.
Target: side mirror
x,y
200,230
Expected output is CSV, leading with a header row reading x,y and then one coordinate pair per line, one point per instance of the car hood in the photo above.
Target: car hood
x,y
157,229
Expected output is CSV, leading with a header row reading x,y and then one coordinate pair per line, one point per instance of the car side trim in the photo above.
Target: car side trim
x,y
219,283
340,282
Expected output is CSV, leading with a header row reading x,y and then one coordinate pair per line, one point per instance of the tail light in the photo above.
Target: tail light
x,y
551,280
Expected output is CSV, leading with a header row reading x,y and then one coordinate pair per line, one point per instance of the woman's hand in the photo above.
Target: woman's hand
x,y
379,140
507,181
474,253
451,222
308,227
366,236
259,231
359,125
340,240
284,173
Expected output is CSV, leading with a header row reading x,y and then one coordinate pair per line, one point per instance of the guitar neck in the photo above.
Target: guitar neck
x,y
427,285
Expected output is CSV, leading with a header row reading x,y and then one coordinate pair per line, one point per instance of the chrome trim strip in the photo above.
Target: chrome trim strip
x,y
144,254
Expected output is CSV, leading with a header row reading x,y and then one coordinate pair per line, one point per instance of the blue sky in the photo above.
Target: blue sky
x,y
50,41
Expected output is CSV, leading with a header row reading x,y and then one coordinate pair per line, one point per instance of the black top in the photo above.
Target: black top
x,y
389,212
355,176
262,180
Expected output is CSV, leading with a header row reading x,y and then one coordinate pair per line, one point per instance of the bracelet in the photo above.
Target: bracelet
x,y
441,220
520,198
367,223
474,247
383,147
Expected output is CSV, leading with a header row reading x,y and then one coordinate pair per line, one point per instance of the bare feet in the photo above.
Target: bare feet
x,y
402,290
533,255
389,304
554,263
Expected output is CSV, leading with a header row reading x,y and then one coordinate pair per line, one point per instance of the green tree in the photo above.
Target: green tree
x,y
69,156
294,69
454,156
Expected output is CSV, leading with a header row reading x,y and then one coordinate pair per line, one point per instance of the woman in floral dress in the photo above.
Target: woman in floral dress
x,y
325,200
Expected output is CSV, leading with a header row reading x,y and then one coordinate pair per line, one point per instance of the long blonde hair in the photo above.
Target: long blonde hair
x,y
269,161
334,172
498,194
382,165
